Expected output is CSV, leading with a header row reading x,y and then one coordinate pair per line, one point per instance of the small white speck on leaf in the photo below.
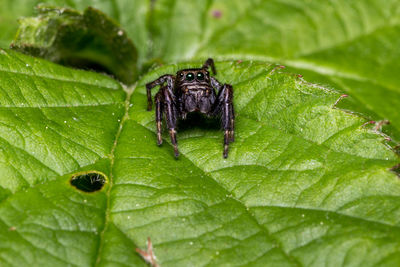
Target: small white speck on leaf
x,y
137,205
120,33
65,121
191,243
27,65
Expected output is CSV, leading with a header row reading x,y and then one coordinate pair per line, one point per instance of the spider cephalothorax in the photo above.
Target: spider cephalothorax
x,y
192,90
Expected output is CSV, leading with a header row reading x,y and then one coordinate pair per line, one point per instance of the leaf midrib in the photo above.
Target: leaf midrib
x,y
125,117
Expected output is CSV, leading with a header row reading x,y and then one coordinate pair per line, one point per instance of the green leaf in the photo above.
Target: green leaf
x,y
304,184
349,45
86,40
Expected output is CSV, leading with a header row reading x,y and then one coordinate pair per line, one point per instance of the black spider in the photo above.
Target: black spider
x,y
192,90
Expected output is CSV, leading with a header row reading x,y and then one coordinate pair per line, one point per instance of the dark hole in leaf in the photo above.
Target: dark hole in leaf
x,y
88,182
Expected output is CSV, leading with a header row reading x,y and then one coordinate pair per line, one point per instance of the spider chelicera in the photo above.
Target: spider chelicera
x,y
192,90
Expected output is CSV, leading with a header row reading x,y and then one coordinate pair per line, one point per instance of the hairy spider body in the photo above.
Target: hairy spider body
x,y
192,90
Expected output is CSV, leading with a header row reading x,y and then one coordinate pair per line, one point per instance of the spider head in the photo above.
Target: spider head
x,y
193,76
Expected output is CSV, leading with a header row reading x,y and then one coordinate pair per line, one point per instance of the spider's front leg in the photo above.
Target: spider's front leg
x,y
224,106
210,63
162,79
165,103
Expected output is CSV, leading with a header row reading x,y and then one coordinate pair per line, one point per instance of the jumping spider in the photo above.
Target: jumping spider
x,y
192,90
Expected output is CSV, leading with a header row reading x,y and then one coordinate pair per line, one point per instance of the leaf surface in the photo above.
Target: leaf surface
x,y
304,184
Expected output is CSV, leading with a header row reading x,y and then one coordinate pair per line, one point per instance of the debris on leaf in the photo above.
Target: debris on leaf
x,y
148,255
338,100
379,124
217,13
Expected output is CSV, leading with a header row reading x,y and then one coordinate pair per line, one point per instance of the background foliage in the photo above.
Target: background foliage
x,y
306,183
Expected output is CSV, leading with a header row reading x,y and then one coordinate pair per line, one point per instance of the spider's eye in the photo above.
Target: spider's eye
x,y
200,76
189,76
181,74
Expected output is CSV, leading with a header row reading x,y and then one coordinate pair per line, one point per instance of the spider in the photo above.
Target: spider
x,y
192,90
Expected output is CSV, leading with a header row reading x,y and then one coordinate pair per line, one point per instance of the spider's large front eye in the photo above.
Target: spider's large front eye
x,y
189,76
200,76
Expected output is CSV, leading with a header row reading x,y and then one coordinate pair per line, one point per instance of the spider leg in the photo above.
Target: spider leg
x,y
224,106
171,115
159,112
162,79
210,63
216,84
